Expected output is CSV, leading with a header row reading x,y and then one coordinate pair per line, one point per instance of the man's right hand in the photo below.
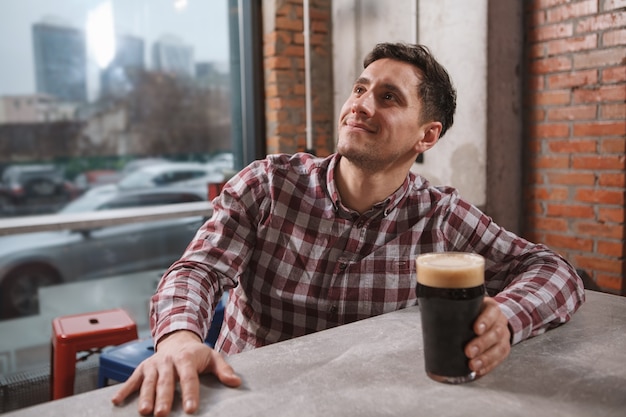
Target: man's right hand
x,y
180,356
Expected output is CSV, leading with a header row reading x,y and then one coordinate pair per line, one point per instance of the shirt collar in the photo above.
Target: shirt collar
x,y
386,206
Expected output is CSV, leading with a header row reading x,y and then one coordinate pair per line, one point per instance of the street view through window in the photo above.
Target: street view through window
x,y
104,104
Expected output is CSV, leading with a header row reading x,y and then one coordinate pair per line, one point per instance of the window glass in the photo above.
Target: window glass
x,y
105,104
96,89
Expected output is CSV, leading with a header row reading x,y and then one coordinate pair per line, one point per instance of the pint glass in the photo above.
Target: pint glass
x,y
450,291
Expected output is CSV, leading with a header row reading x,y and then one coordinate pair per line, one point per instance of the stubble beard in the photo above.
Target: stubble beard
x,y
367,160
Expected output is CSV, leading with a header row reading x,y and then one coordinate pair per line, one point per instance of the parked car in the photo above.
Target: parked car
x,y
33,185
29,261
169,174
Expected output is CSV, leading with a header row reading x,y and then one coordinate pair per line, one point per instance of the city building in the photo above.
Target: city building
x,y
60,61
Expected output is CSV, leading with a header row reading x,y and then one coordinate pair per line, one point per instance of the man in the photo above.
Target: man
x,y
306,243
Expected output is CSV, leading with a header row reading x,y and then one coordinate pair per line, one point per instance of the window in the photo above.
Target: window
x,y
134,103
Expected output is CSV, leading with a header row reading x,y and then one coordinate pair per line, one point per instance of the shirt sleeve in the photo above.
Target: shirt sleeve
x,y
536,288
212,263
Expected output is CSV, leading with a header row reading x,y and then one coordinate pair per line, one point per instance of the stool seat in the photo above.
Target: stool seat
x,y
84,332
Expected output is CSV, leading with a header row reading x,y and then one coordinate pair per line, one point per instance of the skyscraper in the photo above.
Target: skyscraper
x,y
60,62
120,76
173,56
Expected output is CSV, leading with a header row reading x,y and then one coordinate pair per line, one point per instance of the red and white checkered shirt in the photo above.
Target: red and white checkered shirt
x,y
298,261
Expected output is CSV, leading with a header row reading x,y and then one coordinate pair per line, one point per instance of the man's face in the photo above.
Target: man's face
x,y
379,124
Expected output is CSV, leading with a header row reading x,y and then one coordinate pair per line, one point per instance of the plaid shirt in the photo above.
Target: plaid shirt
x,y
298,261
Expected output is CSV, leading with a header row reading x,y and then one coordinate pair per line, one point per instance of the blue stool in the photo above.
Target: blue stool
x,y
119,363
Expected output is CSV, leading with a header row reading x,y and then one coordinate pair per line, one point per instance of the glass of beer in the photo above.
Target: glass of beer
x,y
450,291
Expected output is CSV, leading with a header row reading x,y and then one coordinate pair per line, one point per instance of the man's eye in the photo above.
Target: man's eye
x,y
358,90
389,96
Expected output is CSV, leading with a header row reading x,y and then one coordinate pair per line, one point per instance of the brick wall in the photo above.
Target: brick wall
x,y
575,183
575,173
285,78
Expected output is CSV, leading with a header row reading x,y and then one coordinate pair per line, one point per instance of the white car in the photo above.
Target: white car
x,y
175,174
31,260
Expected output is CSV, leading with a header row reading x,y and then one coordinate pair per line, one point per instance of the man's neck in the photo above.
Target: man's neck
x,y
361,189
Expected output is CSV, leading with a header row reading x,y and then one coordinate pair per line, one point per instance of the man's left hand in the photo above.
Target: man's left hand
x,y
492,343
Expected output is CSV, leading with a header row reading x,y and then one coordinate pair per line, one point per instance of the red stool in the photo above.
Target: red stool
x,y
84,332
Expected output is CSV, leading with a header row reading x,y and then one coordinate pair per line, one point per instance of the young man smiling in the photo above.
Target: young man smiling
x,y
305,243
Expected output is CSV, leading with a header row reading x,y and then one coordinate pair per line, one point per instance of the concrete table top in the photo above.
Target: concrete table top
x,y
375,367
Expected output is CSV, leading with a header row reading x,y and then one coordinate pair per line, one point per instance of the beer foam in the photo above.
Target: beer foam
x,y
450,270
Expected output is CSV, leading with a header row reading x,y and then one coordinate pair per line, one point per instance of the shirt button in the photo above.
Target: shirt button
x,y
360,224
343,266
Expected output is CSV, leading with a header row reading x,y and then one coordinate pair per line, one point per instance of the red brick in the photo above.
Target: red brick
x,y
292,50
608,128
611,215
553,64
573,113
596,263
613,111
613,75
612,180
598,230
572,10
614,37
608,5
573,146
550,98
570,210
590,195
573,44
569,242
547,32
551,224
613,145
550,130
599,57
607,248
600,94
549,194
278,62
601,22
572,79
537,50
572,178
286,23
550,162
611,282
602,162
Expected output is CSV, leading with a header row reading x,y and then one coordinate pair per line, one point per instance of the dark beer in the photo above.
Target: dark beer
x,y
450,291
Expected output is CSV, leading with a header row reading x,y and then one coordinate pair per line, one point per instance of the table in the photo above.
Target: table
x,y
375,368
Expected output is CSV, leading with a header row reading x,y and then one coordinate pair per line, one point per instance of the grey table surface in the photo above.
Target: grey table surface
x,y
374,367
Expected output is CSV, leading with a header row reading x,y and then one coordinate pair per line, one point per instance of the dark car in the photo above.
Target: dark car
x,y
29,261
35,187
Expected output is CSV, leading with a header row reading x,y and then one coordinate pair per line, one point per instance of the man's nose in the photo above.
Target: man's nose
x,y
364,104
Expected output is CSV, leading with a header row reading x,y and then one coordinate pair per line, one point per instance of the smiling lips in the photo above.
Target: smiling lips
x,y
360,126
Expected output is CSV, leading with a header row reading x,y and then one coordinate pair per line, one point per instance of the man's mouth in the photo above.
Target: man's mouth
x,y
360,126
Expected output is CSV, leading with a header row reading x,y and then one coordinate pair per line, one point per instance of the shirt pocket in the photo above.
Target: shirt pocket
x,y
386,283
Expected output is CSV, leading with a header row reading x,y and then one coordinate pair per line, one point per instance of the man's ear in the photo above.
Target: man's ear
x,y
430,136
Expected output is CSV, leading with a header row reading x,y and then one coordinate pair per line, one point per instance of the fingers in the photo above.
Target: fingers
x,y
492,344
156,378
132,384
224,371
189,384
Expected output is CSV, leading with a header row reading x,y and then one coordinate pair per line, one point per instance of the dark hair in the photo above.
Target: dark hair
x,y
435,89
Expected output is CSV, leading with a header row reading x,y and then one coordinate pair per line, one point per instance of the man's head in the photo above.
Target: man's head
x,y
435,90
399,106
